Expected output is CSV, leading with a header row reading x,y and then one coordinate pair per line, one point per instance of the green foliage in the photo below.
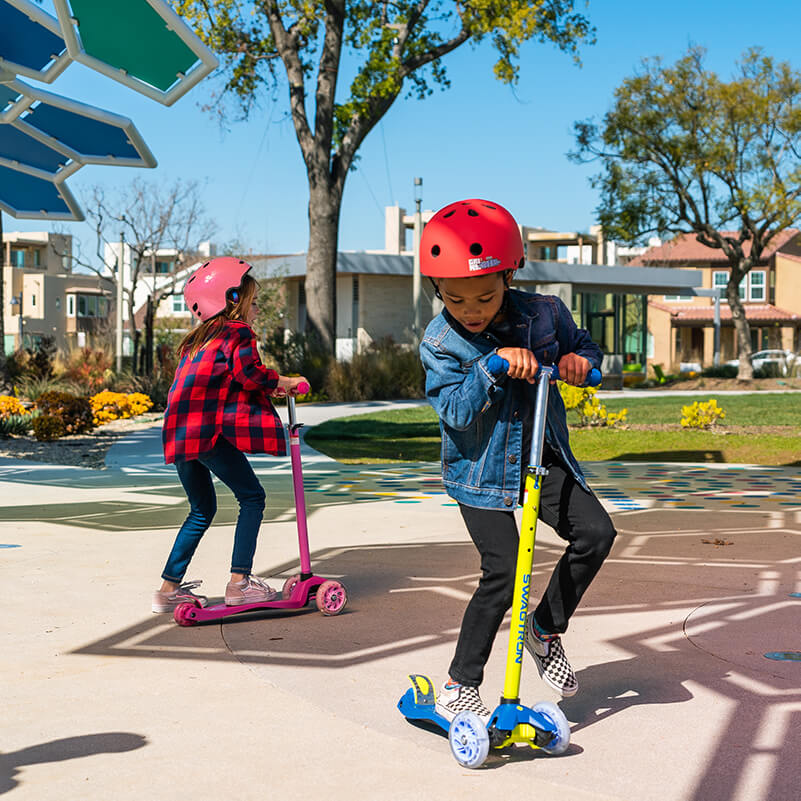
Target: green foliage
x,y
89,368
299,354
682,150
15,424
61,413
385,371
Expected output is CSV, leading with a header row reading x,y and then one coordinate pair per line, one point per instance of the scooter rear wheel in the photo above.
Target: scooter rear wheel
x,y
555,715
331,597
289,585
469,740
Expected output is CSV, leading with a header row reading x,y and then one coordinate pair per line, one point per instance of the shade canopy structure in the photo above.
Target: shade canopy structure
x,y
33,196
143,44
31,43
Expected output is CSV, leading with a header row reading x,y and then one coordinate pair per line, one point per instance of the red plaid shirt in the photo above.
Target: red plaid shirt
x,y
222,391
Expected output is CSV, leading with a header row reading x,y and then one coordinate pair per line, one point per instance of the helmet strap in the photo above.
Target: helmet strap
x,y
436,288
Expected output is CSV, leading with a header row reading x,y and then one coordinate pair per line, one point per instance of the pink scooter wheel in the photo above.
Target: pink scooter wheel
x,y
331,597
290,585
183,614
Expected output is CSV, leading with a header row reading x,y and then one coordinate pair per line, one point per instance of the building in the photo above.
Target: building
x,y
683,325
44,297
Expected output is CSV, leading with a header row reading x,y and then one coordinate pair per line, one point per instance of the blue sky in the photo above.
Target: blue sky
x,y
479,138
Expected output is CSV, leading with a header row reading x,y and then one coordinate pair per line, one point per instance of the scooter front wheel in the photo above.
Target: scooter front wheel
x,y
555,716
183,614
469,740
331,597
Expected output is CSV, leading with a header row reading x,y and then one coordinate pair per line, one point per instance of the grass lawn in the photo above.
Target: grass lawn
x,y
759,429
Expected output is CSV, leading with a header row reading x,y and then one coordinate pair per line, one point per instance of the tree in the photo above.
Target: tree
x,y
398,46
684,152
152,218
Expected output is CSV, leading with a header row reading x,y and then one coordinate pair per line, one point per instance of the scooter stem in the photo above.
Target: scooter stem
x,y
297,484
525,552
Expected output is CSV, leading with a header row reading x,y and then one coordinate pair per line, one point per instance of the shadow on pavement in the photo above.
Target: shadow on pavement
x,y
112,742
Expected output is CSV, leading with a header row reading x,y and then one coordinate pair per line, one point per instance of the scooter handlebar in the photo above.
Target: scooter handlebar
x,y
498,365
303,388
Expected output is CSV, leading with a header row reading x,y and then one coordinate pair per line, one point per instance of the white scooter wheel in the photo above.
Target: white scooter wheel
x,y
555,715
469,740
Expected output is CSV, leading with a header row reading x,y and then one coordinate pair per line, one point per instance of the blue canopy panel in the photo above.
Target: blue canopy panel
x,y
8,102
30,41
33,197
18,146
83,133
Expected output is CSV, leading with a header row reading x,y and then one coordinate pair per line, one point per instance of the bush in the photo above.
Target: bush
x,y
10,406
16,424
61,413
701,415
385,371
591,412
90,369
721,371
108,406
155,387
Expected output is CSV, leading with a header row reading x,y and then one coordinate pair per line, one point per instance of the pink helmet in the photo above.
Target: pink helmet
x,y
206,292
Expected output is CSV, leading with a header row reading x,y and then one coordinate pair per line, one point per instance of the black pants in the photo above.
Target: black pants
x,y
578,517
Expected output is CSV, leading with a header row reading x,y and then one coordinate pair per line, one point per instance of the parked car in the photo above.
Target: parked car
x,y
774,362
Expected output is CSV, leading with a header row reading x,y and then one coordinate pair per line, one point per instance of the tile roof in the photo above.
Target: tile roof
x,y
754,312
686,248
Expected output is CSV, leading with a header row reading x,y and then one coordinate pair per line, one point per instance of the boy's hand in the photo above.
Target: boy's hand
x,y
288,385
522,363
573,369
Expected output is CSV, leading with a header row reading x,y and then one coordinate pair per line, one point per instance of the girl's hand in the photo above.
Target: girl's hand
x,y
288,385
573,369
522,363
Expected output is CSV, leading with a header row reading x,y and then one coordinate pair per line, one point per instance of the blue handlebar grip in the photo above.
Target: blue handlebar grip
x,y
497,364
594,378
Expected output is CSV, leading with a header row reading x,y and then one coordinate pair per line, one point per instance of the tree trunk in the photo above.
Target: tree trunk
x,y
321,260
745,371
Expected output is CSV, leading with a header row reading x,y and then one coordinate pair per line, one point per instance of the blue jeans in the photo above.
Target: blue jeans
x,y
233,469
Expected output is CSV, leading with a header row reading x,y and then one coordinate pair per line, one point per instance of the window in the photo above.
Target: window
x,y
677,297
92,306
70,305
37,258
58,303
17,257
179,304
163,267
752,287
757,285
33,300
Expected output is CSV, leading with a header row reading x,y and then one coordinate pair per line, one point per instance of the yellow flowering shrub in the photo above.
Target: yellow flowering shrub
x,y
108,406
701,415
587,405
10,406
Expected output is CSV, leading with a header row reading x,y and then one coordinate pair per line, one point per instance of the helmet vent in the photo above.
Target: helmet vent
x,y
191,279
202,266
194,307
449,214
435,251
476,249
487,206
472,213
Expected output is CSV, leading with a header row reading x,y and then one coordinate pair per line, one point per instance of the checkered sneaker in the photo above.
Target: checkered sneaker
x,y
552,664
453,699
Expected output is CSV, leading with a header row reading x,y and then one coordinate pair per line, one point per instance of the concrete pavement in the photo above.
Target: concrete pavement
x,y
678,700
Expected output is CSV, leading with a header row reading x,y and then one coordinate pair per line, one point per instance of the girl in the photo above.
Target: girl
x,y
218,409
470,249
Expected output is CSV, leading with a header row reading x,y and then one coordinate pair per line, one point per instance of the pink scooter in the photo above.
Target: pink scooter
x,y
299,589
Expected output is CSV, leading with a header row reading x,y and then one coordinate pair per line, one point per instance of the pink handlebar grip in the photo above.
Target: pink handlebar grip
x,y
302,388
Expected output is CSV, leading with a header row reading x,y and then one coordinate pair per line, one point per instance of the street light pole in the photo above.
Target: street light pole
x,y
418,227
120,273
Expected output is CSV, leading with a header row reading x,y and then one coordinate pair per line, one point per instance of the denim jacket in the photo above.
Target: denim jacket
x,y
480,414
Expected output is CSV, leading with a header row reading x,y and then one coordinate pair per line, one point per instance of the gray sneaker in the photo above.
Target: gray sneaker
x,y
167,601
552,664
251,590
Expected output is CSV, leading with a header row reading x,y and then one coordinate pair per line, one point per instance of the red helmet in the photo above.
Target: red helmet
x,y
206,292
470,237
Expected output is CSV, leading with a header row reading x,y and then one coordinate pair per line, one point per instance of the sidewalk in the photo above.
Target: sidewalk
x,y
678,701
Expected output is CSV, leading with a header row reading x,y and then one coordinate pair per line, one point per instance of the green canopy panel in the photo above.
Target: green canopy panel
x,y
143,44
30,41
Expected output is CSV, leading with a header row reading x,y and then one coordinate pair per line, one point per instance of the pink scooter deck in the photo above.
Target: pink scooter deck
x,y
330,596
